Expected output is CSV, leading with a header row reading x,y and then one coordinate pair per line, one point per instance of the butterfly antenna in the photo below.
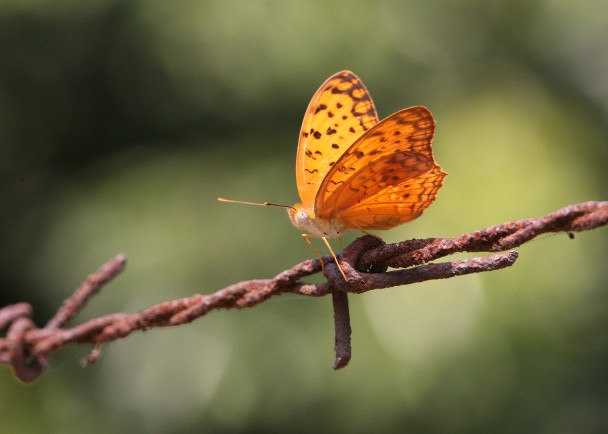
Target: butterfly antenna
x,y
221,199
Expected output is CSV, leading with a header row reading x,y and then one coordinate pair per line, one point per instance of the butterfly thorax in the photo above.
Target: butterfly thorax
x,y
306,220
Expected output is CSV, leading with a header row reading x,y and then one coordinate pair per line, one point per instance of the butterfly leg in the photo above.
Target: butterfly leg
x,y
305,236
371,235
335,257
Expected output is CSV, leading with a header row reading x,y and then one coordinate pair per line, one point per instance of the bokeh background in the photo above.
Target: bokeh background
x,y
121,122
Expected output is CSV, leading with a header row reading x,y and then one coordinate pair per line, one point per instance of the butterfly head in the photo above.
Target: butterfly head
x,y
306,220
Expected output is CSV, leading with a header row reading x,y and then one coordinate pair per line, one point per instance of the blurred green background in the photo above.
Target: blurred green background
x,y
121,122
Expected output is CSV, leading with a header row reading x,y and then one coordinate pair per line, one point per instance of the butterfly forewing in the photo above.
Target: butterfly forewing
x,y
388,176
339,112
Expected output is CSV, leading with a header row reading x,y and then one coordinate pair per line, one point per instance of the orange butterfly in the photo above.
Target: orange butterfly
x,y
354,172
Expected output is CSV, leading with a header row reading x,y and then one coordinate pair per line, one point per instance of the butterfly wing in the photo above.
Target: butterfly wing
x,y
387,177
392,207
339,112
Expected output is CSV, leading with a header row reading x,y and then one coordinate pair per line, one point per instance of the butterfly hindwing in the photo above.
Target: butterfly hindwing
x,y
397,205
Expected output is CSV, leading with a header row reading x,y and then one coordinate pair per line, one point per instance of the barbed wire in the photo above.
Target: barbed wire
x,y
364,262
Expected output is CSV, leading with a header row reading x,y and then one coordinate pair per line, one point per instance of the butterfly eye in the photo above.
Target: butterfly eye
x,y
302,216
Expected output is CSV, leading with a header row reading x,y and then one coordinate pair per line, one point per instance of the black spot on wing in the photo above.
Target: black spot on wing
x,y
321,107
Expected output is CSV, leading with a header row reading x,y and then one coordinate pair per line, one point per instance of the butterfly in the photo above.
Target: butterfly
x,y
355,172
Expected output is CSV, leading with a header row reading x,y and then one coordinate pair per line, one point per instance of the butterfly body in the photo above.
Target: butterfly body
x,y
306,220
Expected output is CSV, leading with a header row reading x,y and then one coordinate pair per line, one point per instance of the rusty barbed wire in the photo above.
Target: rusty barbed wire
x,y
365,262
